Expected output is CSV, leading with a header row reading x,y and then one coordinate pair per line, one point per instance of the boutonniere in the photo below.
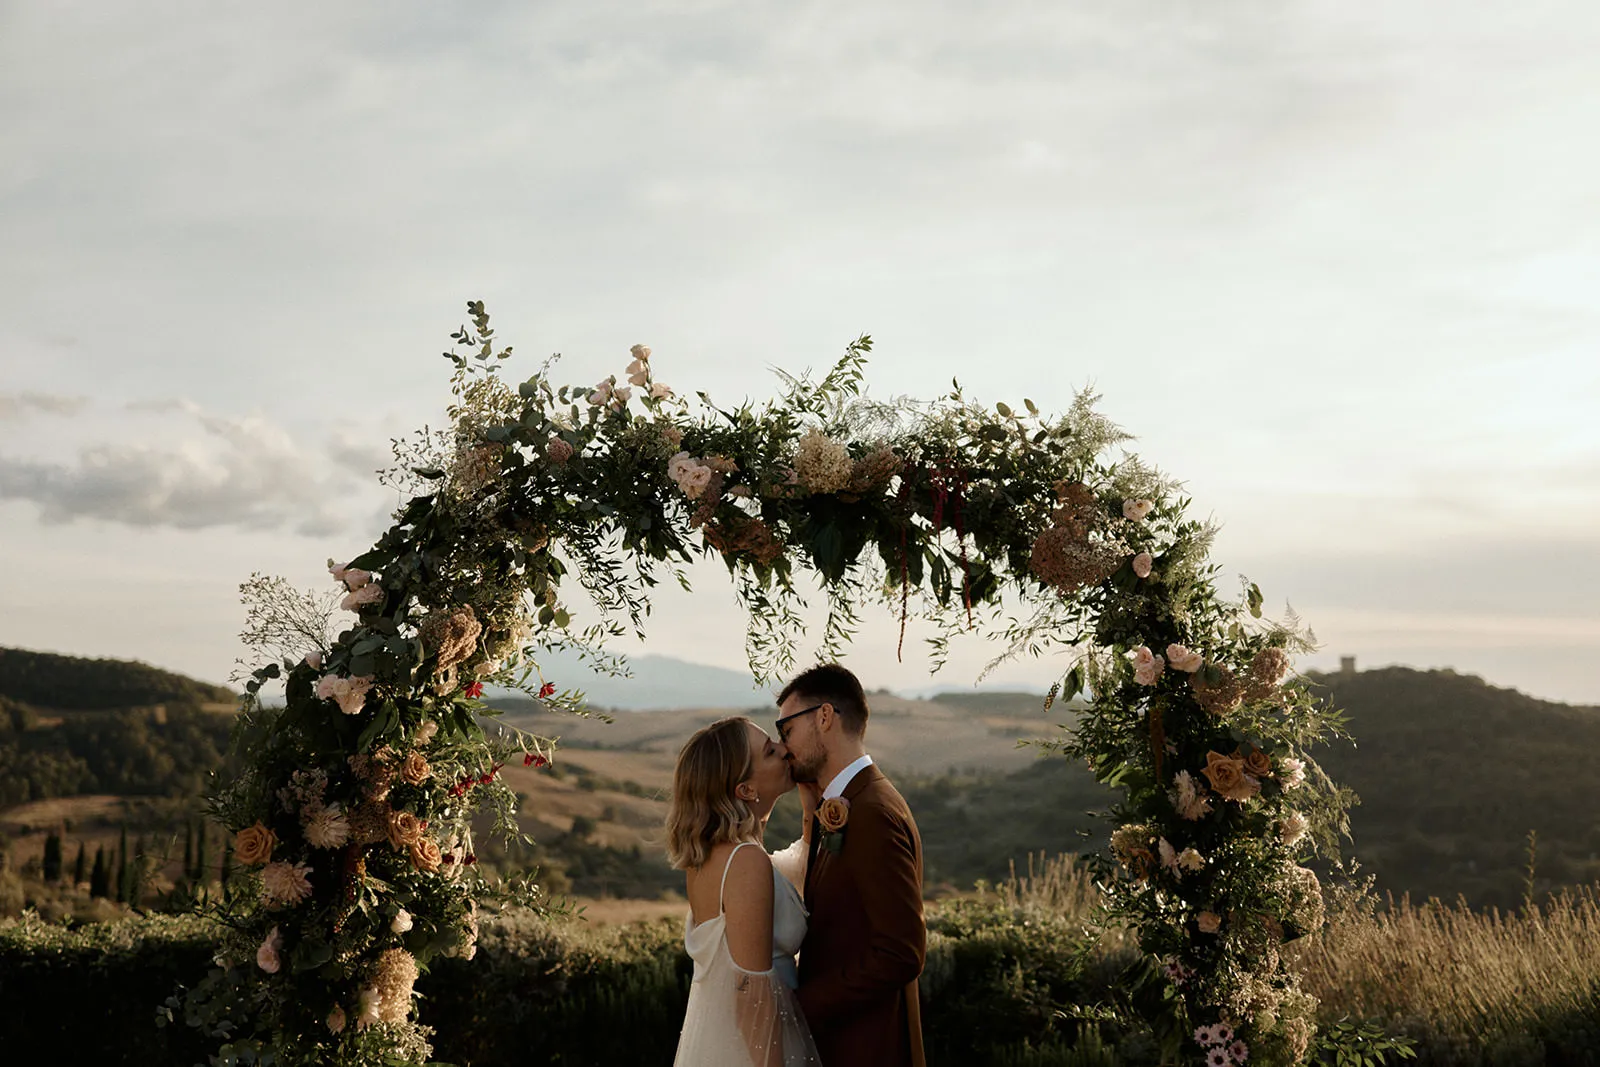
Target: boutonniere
x,y
832,815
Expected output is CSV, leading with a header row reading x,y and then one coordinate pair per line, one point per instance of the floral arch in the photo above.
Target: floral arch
x,y
351,808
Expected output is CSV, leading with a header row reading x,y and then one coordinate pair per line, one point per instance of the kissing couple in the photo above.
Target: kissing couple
x,y
846,897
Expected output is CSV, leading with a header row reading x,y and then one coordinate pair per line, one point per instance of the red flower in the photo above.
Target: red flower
x,y
534,760
470,860
475,690
546,689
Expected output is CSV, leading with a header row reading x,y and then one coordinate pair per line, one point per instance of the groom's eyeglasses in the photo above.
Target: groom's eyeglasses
x,y
783,732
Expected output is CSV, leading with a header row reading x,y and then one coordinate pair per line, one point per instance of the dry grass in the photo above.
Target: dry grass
x,y
1472,987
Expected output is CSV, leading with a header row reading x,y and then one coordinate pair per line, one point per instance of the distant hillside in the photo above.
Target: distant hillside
x,y
657,683
1453,773
47,680
71,726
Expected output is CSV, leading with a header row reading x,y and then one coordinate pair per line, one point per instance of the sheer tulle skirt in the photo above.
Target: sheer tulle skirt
x,y
739,1018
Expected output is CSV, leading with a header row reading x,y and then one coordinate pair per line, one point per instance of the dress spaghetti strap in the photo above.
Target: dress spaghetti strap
x,y
721,888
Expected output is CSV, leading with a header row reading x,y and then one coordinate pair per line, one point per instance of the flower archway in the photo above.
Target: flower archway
x,y
352,808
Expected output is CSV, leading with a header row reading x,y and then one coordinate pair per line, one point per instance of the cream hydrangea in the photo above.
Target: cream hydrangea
x,y
822,464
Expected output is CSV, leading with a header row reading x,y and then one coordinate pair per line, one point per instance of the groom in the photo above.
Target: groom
x,y
866,940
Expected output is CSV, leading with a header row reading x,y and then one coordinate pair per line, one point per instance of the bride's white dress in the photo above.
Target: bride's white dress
x,y
740,1018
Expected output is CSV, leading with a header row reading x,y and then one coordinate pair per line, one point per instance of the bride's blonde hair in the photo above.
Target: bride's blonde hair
x,y
704,810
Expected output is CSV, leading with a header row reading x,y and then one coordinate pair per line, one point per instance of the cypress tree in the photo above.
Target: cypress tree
x,y
77,866
200,854
100,880
52,857
122,866
227,869
136,872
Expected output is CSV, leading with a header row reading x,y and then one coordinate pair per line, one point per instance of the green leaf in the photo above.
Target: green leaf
x,y
1255,600
1004,410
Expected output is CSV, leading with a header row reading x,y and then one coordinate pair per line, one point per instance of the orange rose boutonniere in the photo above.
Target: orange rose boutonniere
x,y
832,815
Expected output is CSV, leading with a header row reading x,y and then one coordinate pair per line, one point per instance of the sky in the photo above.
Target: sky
x,y
1334,265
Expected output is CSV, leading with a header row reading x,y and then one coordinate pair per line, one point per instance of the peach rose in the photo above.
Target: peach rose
x,y
415,769
253,845
1142,564
1179,658
1258,763
833,813
425,855
1209,922
640,353
404,829
336,1020
1227,776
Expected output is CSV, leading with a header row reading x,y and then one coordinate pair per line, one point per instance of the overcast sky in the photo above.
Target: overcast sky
x,y
1335,265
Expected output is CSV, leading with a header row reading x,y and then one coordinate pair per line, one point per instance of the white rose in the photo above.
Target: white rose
x,y
1293,828
1181,659
402,921
314,660
1190,860
355,578
1137,509
1142,564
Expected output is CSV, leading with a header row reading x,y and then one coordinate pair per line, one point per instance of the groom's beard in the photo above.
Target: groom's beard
x,y
806,769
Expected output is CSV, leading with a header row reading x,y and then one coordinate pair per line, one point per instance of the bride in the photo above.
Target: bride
x,y
746,919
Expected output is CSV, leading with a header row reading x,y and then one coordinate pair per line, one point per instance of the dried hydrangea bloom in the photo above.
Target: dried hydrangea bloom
x,y
1219,693
451,636
1265,674
822,464
1068,563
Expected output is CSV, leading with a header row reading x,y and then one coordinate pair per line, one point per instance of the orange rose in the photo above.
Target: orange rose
x,y
833,813
425,855
1209,922
1227,776
405,829
415,770
1258,764
253,845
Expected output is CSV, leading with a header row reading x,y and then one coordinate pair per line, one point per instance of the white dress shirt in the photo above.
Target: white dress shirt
x,y
836,787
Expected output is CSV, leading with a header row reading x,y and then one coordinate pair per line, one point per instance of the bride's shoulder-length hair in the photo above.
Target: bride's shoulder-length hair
x,y
704,811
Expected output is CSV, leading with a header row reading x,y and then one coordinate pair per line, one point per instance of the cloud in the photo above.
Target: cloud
x,y
243,472
21,405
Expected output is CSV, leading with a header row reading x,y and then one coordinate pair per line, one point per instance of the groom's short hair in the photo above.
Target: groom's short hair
x,y
837,686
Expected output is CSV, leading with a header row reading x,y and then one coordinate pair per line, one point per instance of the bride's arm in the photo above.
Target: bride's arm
x,y
747,905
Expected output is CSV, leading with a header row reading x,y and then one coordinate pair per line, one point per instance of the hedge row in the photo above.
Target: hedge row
x,y
541,992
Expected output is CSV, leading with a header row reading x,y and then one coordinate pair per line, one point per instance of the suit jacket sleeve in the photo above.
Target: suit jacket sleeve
x,y
881,853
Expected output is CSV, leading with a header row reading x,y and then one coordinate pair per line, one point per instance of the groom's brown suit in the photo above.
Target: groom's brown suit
x,y
866,941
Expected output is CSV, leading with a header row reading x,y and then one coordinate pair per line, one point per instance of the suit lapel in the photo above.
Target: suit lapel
x,y
819,858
